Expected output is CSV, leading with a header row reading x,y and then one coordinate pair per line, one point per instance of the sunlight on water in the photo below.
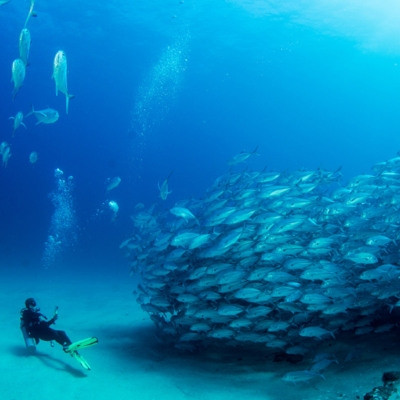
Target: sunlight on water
x,y
372,24
158,90
62,232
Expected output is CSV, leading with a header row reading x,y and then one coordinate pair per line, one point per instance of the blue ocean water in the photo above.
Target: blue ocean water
x,y
177,88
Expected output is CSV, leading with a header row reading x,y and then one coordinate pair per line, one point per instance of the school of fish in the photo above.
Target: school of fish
x,y
272,259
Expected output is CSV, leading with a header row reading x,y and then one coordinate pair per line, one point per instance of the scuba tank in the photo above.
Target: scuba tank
x,y
29,341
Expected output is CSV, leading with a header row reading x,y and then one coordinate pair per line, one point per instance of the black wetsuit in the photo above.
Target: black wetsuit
x,y
38,328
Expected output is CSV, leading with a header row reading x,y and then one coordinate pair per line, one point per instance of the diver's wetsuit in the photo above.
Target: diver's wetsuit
x,y
38,328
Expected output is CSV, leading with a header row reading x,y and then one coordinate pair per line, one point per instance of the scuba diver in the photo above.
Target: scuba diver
x,y
36,326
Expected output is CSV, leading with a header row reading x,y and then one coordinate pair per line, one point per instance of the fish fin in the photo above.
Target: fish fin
x,y
23,125
37,123
30,13
31,112
11,117
67,97
14,93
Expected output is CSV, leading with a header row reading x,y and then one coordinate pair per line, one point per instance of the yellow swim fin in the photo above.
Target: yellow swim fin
x,y
81,344
80,359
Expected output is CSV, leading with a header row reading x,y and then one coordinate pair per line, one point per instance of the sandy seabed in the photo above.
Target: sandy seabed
x,y
131,363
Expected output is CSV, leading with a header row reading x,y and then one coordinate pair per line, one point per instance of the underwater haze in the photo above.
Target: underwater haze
x,y
234,163
174,89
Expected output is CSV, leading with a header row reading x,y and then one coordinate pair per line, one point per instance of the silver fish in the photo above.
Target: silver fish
x,y
239,216
18,121
361,257
378,240
5,151
31,13
315,332
164,192
24,45
18,75
60,72
301,376
182,212
230,309
200,240
240,323
242,157
221,333
183,239
45,116
112,183
200,327
33,157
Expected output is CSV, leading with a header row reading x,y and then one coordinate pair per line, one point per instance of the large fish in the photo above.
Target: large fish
x,y
24,45
300,376
18,121
60,71
164,192
45,116
31,13
114,207
112,183
182,212
33,157
5,152
242,157
18,75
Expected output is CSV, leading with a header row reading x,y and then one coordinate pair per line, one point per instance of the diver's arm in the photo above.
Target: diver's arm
x,y
54,319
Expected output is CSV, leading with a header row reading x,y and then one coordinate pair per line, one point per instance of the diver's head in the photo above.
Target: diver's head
x,y
30,303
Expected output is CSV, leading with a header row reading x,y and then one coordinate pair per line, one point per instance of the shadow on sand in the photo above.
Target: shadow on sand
x,y
48,360
212,369
141,343
146,343
249,371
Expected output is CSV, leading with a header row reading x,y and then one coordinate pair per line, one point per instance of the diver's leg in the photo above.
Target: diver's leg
x,y
61,338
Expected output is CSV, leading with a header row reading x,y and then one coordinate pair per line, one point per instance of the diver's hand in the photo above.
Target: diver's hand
x,y
55,316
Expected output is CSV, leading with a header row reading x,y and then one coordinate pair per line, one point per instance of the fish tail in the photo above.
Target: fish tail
x,y
67,97
31,112
66,103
